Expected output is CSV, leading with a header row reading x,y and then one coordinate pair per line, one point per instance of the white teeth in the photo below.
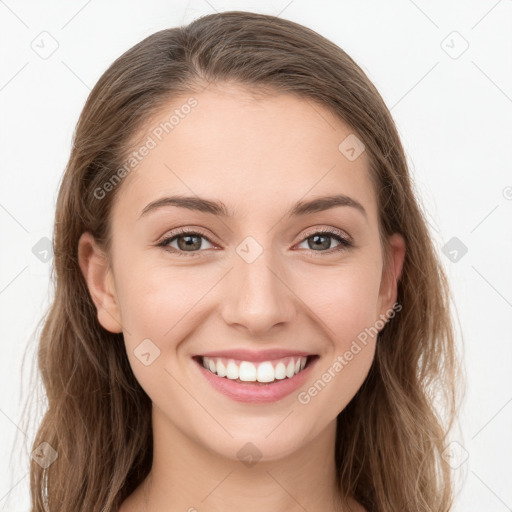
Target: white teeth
x,y
221,369
280,371
247,371
232,370
266,372
251,372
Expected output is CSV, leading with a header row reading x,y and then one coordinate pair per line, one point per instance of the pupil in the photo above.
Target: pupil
x,y
186,242
325,245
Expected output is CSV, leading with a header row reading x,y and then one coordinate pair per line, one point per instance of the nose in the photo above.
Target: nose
x,y
259,295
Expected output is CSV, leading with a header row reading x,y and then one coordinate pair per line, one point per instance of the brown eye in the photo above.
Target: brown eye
x,y
321,241
187,242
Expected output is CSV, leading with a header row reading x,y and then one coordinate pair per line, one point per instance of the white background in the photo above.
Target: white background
x,y
454,116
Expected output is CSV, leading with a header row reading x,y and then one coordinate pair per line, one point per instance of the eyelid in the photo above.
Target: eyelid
x,y
189,230
328,230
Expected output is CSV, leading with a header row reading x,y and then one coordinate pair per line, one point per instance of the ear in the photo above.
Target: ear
x,y
391,273
100,282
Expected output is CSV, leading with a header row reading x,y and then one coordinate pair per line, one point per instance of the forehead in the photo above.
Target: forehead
x,y
252,151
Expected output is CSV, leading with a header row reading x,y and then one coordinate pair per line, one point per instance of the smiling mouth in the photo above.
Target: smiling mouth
x,y
264,372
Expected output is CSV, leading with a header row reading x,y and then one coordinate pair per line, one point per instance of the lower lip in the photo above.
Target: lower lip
x,y
257,392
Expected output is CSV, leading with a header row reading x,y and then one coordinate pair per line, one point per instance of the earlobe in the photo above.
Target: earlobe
x,y
391,275
98,277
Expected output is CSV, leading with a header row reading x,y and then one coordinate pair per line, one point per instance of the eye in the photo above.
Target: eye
x,y
320,240
187,242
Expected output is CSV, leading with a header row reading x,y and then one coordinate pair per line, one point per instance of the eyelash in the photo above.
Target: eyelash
x,y
344,242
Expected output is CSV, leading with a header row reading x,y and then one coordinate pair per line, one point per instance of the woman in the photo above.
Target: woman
x,y
249,312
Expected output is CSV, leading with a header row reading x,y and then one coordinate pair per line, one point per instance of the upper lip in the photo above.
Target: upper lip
x,y
255,355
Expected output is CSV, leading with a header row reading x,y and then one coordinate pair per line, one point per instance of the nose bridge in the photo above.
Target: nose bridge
x,y
257,298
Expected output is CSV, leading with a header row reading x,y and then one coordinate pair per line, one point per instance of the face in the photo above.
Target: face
x,y
260,290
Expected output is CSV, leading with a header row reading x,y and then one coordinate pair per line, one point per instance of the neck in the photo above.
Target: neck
x,y
186,476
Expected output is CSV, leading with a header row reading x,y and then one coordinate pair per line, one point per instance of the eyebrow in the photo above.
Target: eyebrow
x,y
219,208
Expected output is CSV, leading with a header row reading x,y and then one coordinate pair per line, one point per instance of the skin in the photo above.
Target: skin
x,y
259,156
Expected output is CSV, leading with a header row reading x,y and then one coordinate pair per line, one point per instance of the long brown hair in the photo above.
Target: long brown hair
x,y
98,418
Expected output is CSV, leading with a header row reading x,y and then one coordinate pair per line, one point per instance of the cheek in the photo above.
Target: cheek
x,y
159,301
152,291
343,299
157,307
344,303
